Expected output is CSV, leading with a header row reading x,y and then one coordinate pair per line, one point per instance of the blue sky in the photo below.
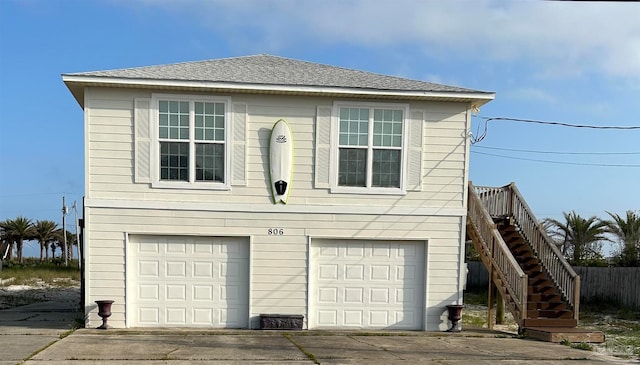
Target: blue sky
x,y
571,62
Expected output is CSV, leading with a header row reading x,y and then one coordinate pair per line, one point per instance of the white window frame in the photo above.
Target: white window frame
x,y
335,146
155,143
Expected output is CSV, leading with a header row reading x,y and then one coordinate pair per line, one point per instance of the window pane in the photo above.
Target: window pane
x,y
397,115
377,140
210,162
377,114
174,161
386,168
352,167
363,140
164,120
163,106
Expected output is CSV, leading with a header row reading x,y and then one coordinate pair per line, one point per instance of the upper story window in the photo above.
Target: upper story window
x,y
192,141
370,148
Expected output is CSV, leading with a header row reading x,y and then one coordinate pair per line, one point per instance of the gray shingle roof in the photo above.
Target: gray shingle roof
x,y
272,70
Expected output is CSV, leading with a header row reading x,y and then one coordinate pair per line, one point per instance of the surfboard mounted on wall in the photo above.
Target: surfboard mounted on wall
x,y
280,161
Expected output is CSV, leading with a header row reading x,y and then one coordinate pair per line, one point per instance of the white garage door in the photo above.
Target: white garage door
x,y
188,282
366,284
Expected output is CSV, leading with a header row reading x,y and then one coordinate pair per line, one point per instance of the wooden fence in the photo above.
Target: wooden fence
x,y
618,284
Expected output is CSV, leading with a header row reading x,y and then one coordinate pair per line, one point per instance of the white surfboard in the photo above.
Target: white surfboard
x,y
280,161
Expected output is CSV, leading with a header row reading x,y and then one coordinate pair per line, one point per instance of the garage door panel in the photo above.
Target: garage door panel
x,y
148,315
202,316
367,284
189,282
203,293
148,268
202,269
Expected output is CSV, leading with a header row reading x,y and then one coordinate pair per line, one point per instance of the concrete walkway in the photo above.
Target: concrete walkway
x,y
31,335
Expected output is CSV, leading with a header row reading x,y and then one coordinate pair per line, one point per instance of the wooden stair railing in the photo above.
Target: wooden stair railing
x,y
508,202
510,279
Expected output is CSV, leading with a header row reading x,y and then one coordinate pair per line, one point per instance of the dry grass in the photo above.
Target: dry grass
x,y
33,274
621,325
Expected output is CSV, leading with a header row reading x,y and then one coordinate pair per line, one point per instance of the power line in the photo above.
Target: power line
x,y
488,119
481,136
557,152
554,162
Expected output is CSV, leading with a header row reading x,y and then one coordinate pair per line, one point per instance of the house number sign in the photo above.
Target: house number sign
x,y
275,231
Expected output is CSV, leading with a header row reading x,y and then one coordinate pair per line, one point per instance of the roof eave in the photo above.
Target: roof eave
x,y
76,84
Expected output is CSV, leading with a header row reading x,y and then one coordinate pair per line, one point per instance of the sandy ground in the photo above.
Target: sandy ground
x,y
18,295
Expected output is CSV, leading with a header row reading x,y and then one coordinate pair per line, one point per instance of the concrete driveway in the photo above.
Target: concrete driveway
x,y
32,335
30,328
309,347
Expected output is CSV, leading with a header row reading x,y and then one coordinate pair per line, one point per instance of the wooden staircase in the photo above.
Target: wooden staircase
x,y
538,285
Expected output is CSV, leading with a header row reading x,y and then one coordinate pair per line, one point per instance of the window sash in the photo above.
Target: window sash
x,y
209,162
352,170
174,161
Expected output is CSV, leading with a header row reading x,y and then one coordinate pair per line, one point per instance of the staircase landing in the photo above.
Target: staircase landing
x,y
561,334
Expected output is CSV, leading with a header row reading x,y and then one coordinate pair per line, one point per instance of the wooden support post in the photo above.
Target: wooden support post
x,y
499,308
491,293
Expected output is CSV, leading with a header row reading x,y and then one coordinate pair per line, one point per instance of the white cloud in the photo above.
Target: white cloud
x,y
561,38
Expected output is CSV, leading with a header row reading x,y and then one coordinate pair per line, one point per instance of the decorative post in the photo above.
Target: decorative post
x,y
455,315
104,311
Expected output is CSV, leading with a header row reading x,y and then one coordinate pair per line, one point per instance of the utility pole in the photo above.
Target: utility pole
x,y
65,210
75,210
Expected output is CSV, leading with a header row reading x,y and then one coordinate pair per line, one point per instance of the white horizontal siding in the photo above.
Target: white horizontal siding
x,y
278,263
110,150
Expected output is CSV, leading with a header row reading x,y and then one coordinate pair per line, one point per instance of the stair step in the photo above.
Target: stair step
x,y
560,334
548,290
537,275
525,259
513,240
532,268
549,322
549,313
541,297
558,305
542,282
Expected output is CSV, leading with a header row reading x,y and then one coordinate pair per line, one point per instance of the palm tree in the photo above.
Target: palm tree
x,y
580,238
44,232
627,231
59,242
6,242
19,229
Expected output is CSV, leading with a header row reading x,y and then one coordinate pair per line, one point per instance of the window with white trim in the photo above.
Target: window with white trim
x,y
370,148
191,141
